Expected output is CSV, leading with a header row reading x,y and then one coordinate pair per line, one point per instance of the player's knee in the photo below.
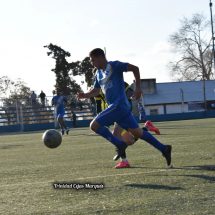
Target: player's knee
x,y
115,132
136,136
59,119
94,126
128,138
137,133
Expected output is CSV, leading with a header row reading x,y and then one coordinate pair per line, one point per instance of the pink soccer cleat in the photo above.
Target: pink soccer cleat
x,y
151,127
122,164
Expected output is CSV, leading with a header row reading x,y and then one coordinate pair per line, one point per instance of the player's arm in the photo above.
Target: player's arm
x,y
53,102
136,72
92,93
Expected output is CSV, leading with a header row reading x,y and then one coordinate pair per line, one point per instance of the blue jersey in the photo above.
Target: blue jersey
x,y
111,82
141,110
59,102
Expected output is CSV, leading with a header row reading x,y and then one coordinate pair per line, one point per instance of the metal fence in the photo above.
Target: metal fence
x,y
23,112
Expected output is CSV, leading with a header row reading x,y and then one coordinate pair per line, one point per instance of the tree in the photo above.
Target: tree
x,y
192,43
65,71
64,83
14,90
16,93
5,85
85,68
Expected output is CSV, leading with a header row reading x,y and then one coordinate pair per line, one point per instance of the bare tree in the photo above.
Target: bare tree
x,y
193,46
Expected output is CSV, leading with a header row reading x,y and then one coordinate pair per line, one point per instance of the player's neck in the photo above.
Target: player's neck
x,y
104,65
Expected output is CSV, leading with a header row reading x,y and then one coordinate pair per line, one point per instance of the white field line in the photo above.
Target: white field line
x,y
85,178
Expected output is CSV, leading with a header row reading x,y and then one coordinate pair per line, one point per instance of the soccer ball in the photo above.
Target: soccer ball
x,y
52,138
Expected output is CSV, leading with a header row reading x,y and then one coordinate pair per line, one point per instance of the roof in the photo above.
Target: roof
x,y
176,92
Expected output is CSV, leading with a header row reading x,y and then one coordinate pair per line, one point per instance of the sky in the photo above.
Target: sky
x,y
134,31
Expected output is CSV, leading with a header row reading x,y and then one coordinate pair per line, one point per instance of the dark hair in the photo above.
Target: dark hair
x,y
97,52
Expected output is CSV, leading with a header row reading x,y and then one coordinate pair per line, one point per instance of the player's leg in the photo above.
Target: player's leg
x,y
106,118
132,126
142,117
117,132
123,135
62,124
126,136
145,135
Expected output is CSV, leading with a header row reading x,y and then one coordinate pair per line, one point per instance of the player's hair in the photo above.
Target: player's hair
x,y
97,52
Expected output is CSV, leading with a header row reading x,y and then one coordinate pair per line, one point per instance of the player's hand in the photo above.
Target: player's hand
x,y
137,94
81,96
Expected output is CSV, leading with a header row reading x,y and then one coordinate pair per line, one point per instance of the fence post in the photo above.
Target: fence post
x,y
55,117
21,118
17,113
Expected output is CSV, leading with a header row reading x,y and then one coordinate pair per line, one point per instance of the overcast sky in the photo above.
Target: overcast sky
x,y
134,31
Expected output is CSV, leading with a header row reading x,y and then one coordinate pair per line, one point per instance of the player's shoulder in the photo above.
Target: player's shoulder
x,y
117,64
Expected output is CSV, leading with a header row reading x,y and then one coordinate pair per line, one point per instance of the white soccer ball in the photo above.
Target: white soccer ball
x,y
52,138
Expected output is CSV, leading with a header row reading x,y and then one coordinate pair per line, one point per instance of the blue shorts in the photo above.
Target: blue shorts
x,y
59,113
119,114
142,115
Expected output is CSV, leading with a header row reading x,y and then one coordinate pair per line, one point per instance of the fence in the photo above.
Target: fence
x,y
20,117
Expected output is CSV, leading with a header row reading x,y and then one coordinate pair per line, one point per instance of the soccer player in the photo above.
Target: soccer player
x,y
148,125
100,102
58,101
142,114
129,139
109,78
125,135
142,117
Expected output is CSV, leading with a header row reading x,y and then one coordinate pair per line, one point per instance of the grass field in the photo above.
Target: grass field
x,y
28,170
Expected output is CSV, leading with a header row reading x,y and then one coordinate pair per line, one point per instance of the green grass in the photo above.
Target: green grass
x,y
28,169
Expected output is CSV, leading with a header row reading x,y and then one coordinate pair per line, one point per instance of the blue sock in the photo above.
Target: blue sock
x,y
153,141
104,132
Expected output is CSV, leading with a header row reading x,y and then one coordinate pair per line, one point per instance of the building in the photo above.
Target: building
x,y
177,97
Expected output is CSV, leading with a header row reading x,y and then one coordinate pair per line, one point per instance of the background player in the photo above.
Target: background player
x,y
59,102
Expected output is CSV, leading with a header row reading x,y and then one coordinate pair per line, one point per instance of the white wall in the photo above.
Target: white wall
x,y
176,108
160,109
172,108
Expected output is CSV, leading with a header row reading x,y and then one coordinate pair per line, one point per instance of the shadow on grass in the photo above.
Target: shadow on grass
x,y
205,177
150,168
153,186
85,134
169,134
9,146
199,167
203,167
